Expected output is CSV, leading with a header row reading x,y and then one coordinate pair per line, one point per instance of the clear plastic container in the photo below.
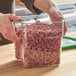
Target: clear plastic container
x,y
40,43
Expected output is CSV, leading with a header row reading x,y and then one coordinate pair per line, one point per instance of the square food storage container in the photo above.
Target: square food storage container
x,y
40,43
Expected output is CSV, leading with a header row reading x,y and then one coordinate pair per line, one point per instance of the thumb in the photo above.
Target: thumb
x,y
14,18
55,13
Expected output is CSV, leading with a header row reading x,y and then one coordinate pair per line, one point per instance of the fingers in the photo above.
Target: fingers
x,y
10,37
65,28
7,28
11,28
14,18
55,14
10,34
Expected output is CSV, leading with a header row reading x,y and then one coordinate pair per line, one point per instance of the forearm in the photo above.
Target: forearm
x,y
45,5
30,5
53,5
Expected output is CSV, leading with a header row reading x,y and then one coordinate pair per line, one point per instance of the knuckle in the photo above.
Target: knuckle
x,y
10,15
8,27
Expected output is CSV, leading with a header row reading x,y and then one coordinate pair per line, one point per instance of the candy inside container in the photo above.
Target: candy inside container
x,y
40,44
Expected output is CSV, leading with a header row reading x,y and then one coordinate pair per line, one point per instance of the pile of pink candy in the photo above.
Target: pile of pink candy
x,y
39,44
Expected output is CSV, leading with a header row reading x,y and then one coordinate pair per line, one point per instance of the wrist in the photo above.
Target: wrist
x,y
36,9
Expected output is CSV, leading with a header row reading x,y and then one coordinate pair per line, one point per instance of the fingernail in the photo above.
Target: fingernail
x,y
15,39
20,20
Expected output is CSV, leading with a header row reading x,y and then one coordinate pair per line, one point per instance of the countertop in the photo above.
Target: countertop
x,y
9,66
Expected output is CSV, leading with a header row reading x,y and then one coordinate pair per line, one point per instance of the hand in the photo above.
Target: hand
x,y
18,2
6,26
50,8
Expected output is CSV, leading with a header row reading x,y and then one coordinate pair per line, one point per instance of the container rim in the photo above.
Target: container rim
x,y
31,19
35,18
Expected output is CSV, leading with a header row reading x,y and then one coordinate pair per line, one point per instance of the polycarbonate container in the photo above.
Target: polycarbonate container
x,y
40,43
